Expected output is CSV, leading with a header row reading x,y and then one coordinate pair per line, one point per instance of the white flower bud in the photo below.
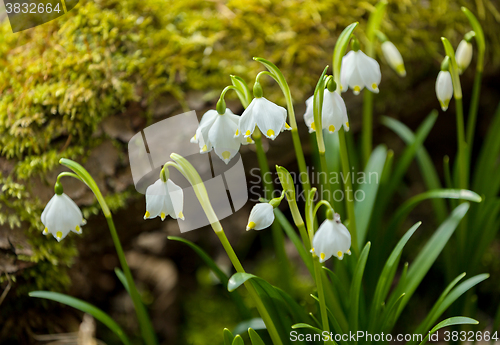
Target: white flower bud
x,y
393,57
463,56
444,89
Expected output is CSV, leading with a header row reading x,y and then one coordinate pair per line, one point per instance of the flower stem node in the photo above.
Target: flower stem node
x,y
269,117
62,215
58,188
358,71
261,216
331,239
257,90
221,106
164,198
333,114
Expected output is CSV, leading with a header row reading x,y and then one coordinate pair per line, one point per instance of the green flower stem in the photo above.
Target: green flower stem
x,y
299,153
190,173
251,289
373,26
462,146
367,126
348,191
278,237
481,48
147,330
471,122
317,265
317,113
299,223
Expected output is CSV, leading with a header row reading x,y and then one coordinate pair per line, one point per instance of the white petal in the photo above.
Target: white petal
x,y
270,117
369,70
206,123
346,70
175,202
309,114
262,216
333,111
247,120
221,135
444,89
323,241
155,195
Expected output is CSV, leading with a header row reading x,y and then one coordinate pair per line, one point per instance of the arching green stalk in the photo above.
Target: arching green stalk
x,y
190,173
367,124
147,330
299,153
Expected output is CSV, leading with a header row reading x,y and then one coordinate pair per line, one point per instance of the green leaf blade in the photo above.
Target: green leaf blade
x,y
85,307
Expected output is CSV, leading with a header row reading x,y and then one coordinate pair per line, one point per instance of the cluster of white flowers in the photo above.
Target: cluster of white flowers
x,y
224,132
444,82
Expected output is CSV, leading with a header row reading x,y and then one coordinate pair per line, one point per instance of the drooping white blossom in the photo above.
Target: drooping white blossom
x,y
269,117
331,239
393,57
444,89
217,131
333,114
60,216
261,216
358,71
163,199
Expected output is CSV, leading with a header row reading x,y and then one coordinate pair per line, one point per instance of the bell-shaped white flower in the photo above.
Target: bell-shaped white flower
x,y
163,199
463,56
60,216
358,71
261,216
333,114
217,131
393,58
444,89
269,117
331,239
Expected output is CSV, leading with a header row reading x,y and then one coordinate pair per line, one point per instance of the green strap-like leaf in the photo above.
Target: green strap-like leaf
x,y
244,311
228,337
356,289
255,338
86,308
238,340
405,209
387,275
431,251
340,49
457,320
427,168
363,210
476,26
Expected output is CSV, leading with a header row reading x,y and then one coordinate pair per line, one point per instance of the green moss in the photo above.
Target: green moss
x,y
61,79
